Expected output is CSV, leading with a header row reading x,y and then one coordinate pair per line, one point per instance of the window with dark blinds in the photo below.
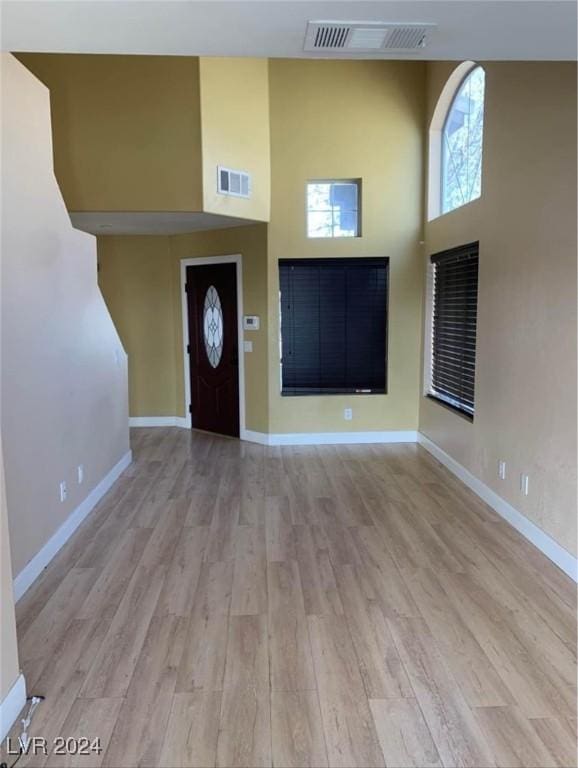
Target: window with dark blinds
x,y
455,304
333,326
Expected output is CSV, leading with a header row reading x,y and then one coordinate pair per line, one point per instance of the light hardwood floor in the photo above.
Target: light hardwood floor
x,y
234,605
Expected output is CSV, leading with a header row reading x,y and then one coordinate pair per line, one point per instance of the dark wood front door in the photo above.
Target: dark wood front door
x,y
213,348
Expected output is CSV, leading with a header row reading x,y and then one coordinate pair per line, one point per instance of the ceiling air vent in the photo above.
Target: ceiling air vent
x,y
406,37
365,36
233,183
329,36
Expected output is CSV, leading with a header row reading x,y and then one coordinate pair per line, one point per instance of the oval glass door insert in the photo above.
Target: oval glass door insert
x,y
213,326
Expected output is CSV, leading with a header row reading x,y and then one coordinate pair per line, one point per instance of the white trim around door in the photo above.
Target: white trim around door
x,y
236,259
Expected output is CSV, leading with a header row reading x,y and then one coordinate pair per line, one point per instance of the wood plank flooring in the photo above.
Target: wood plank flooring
x,y
229,604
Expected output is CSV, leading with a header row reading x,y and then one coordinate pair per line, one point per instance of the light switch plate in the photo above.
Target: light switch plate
x,y
248,346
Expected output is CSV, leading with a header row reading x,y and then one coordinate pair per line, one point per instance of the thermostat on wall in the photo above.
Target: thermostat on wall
x,y
251,323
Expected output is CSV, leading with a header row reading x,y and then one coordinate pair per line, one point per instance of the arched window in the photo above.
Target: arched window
x,y
462,144
456,140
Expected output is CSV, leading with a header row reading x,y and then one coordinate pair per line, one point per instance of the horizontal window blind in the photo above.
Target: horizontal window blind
x,y
333,325
455,305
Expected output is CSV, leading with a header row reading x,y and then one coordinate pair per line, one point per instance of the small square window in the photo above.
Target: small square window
x,y
333,209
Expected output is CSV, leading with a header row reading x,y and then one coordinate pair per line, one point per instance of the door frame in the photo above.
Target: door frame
x,y
236,259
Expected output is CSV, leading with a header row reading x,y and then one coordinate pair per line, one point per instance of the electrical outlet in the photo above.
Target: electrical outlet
x,y
524,483
347,414
502,470
80,473
63,491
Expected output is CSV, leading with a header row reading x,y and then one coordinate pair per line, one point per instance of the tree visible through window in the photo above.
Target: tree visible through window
x,y
333,209
462,139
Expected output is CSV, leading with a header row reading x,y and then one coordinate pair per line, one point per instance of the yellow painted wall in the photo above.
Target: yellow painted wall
x,y
235,132
127,130
251,243
328,120
134,274
526,350
140,280
351,119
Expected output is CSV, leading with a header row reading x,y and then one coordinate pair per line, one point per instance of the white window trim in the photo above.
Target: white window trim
x,y
357,183
428,326
428,330
435,170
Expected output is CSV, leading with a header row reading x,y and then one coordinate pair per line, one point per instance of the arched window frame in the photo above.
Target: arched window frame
x,y
440,115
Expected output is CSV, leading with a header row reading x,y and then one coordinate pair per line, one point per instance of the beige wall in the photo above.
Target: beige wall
x,y
9,666
235,132
526,351
140,280
351,119
127,130
64,378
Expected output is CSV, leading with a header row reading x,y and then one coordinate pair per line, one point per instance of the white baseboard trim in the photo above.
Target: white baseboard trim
x,y
255,437
539,538
30,572
158,421
11,706
329,438
288,438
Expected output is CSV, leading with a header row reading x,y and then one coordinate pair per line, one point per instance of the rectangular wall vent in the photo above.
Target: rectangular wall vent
x,y
233,183
365,36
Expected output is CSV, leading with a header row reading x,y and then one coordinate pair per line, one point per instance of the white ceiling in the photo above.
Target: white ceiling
x,y
150,223
467,29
